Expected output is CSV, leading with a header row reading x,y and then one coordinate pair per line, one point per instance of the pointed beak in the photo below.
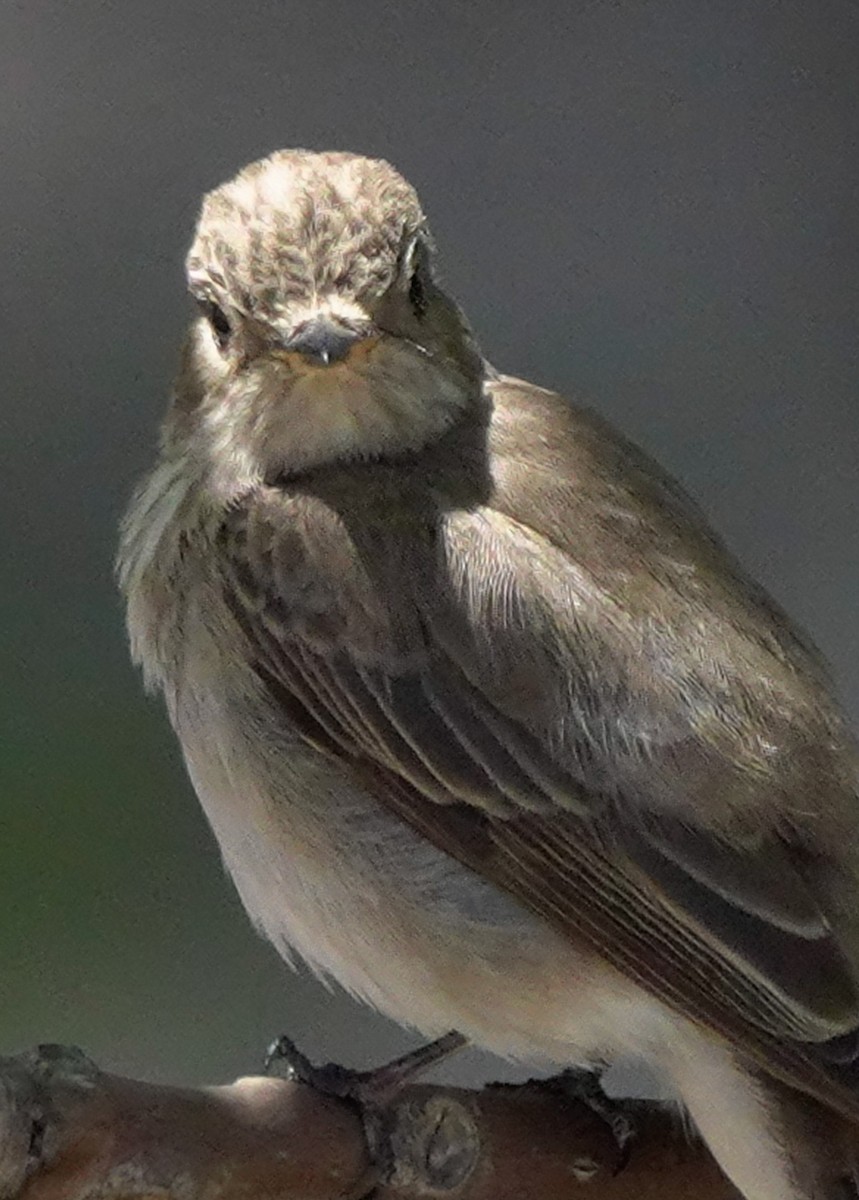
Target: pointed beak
x,y
323,340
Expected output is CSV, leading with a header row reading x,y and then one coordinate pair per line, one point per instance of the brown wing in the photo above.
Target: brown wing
x,y
444,710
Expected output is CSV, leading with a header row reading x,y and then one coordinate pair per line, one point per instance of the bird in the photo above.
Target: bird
x,y
490,725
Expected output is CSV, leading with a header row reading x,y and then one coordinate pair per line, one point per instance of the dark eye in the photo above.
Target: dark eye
x,y
418,293
217,318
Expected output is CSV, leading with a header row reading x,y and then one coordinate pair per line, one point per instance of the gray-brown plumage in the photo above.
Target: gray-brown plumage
x,y
487,721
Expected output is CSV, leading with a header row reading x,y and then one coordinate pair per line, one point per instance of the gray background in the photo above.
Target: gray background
x,y
648,204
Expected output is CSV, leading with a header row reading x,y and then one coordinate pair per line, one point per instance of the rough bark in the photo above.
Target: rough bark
x,y
69,1131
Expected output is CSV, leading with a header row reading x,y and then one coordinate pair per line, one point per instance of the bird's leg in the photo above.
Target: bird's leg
x,y
585,1086
370,1088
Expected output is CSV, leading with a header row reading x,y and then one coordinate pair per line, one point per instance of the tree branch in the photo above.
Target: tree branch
x,y
69,1131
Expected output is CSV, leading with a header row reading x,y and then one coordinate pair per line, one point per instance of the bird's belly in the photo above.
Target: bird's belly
x,y
325,871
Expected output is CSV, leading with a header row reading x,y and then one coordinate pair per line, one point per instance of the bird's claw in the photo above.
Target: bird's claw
x,y
586,1087
284,1060
368,1088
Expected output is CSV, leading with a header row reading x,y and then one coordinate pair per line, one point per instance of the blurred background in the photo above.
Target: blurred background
x,y
651,204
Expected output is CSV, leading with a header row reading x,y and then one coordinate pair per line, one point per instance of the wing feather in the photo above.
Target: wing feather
x,y
448,722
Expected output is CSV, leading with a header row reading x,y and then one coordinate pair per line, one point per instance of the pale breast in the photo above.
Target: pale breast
x,y
322,868
326,872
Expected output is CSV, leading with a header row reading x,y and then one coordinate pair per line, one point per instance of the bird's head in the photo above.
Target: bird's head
x,y
321,333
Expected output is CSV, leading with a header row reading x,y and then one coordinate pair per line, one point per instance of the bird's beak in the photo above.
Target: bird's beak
x,y
323,340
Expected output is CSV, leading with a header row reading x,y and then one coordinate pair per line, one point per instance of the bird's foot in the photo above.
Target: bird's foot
x,y
370,1089
586,1086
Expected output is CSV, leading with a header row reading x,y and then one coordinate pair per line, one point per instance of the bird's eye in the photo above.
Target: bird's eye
x,y
217,318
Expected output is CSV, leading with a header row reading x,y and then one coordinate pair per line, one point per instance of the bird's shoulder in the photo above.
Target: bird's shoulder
x,y
567,473
630,531
537,510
